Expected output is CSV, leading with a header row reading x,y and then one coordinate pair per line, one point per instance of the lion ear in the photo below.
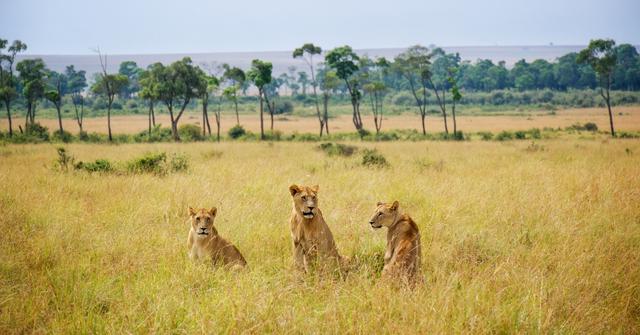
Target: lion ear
x,y
192,211
395,205
315,188
294,189
379,204
213,211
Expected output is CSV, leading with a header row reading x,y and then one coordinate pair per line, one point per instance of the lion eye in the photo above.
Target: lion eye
x,y
379,213
304,197
197,219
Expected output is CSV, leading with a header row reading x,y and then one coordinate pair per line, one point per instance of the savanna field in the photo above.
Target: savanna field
x,y
517,237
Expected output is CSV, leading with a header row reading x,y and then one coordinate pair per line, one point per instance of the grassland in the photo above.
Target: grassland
x,y
517,238
627,118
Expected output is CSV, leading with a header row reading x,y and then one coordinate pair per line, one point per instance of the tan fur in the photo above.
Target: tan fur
x,y
403,255
205,243
312,238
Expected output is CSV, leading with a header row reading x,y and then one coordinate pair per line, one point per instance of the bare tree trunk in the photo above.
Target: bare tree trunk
x,y
424,128
607,99
109,118
455,127
235,101
261,116
326,113
218,123
59,118
6,103
149,122
153,114
273,109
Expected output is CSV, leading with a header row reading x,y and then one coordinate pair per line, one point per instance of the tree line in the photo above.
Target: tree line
x,y
419,70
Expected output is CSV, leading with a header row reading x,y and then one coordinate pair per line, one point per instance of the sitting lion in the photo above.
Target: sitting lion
x,y
204,241
311,236
402,258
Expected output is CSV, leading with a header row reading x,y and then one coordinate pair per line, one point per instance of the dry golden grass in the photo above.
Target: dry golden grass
x,y
515,240
629,120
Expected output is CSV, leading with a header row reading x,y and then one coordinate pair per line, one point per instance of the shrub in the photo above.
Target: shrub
x,y
178,163
363,132
64,159
236,132
63,136
458,136
149,163
99,165
486,135
371,158
283,108
520,135
504,136
190,132
337,149
590,126
273,135
37,130
535,133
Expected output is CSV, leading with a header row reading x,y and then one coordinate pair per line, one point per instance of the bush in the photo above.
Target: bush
x,y
590,126
371,158
149,163
520,135
64,136
284,108
236,132
486,135
504,136
458,136
64,159
190,132
99,165
363,133
178,163
337,149
535,133
38,131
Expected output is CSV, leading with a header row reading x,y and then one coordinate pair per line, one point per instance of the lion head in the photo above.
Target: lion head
x,y
385,215
202,221
305,200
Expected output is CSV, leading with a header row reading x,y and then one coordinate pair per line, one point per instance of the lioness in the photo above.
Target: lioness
x,y
402,258
311,236
204,241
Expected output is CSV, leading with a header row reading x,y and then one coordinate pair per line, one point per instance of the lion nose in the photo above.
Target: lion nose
x,y
371,222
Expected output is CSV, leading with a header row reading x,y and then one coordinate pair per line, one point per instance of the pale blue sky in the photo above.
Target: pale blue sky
x,y
180,26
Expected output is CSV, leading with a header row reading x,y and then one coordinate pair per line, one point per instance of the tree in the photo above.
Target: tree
x,y
456,96
235,78
414,65
108,85
260,75
131,70
306,52
57,82
32,74
344,61
329,83
149,89
211,84
303,79
626,75
77,82
601,56
373,74
439,82
178,84
8,81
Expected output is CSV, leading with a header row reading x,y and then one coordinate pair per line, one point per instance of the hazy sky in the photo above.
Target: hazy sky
x,y
166,26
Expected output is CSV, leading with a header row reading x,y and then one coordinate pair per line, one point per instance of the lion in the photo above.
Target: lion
x,y
312,238
403,254
205,243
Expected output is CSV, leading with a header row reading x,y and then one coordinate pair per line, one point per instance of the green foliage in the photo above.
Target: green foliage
x,y
486,135
63,136
65,160
590,126
190,132
37,130
99,165
372,158
337,149
236,132
178,163
504,136
149,163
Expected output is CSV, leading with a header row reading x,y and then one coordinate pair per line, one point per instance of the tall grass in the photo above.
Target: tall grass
x,y
514,240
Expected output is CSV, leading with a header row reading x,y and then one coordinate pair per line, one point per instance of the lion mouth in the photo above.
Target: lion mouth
x,y
203,233
374,226
307,215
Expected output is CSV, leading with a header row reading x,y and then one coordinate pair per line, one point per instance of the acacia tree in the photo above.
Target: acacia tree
x,y
236,79
344,61
108,85
211,84
414,65
8,81
178,84
439,78
329,82
271,90
149,90
77,82
373,75
32,74
456,96
131,70
306,52
260,75
601,56
58,84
